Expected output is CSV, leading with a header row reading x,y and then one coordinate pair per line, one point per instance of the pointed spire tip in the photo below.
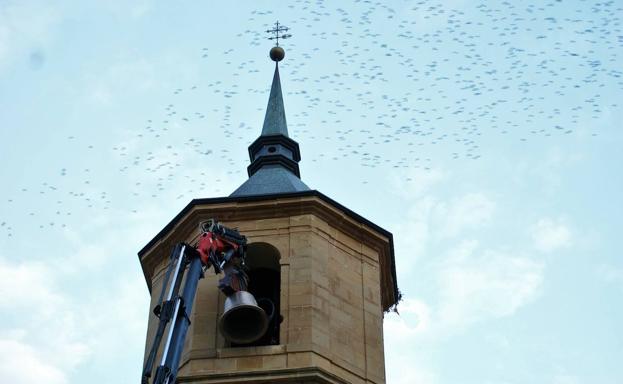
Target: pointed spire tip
x,y
275,118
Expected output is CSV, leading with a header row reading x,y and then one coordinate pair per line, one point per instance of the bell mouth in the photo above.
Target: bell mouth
x,y
243,320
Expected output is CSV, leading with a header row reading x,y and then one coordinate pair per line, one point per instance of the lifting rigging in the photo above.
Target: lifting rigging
x,y
223,249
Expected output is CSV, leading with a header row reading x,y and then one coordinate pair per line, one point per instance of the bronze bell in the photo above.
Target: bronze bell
x,y
243,321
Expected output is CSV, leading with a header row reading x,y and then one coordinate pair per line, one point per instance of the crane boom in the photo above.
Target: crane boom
x,y
218,246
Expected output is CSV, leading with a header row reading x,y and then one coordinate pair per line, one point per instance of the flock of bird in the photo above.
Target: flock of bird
x,y
369,86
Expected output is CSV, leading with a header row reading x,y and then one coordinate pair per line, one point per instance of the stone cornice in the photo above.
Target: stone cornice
x,y
229,209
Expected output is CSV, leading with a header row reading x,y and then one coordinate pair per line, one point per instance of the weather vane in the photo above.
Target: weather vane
x,y
277,29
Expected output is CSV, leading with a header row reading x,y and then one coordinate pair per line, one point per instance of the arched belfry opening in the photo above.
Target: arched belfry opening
x,y
265,284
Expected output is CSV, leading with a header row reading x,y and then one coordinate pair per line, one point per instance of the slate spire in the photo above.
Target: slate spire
x,y
274,155
275,118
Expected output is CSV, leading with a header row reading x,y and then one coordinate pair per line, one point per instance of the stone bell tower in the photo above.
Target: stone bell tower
x,y
328,271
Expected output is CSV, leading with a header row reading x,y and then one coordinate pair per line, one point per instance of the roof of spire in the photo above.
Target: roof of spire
x,y
270,180
275,118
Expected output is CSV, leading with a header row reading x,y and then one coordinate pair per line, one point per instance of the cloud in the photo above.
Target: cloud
x,y
416,182
563,378
471,285
406,360
550,235
24,364
124,332
34,281
124,78
60,312
477,285
403,370
125,9
413,235
466,212
610,274
47,345
438,244
414,319
430,220
25,27
37,59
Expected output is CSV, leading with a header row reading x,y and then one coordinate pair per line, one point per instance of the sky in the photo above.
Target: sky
x,y
484,135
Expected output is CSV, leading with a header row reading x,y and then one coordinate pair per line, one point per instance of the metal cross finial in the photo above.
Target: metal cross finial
x,y
276,32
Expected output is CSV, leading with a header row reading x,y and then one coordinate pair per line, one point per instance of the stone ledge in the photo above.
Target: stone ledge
x,y
251,351
312,375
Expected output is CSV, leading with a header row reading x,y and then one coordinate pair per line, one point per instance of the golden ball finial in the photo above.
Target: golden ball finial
x,y
277,53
